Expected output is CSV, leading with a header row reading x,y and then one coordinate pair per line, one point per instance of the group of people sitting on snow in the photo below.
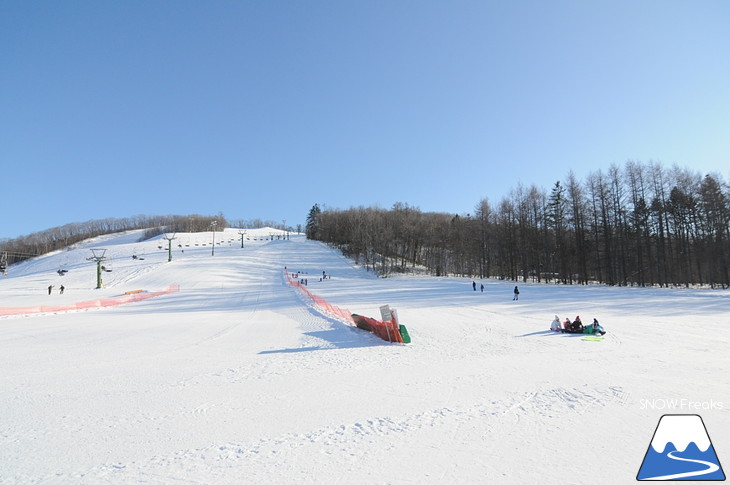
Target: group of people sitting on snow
x,y
576,326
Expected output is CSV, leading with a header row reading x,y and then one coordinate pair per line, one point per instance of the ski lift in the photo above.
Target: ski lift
x,y
62,272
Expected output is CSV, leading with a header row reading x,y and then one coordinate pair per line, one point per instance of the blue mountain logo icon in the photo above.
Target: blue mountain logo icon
x,y
681,450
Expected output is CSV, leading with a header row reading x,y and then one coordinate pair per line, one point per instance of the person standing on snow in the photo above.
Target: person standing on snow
x,y
517,294
50,289
474,285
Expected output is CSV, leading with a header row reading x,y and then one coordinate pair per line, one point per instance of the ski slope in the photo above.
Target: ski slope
x,y
235,379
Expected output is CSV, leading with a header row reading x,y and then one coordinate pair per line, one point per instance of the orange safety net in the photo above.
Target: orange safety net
x,y
386,330
83,305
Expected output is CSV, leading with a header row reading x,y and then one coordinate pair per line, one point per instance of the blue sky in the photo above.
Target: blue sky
x,y
259,109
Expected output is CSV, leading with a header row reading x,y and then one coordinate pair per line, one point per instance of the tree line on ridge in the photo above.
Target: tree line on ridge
x,y
639,224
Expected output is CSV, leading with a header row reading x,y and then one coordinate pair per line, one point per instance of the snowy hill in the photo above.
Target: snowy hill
x,y
234,379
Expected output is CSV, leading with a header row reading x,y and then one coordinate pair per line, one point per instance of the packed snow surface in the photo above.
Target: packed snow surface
x,y
236,379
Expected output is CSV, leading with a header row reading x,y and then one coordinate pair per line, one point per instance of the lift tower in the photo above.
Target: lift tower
x,y
98,255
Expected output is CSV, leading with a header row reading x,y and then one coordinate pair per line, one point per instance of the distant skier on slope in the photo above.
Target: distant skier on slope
x,y
516,291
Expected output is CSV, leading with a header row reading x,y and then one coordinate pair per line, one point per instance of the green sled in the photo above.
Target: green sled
x,y
404,334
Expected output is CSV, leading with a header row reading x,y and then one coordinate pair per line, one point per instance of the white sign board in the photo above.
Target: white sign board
x,y
385,313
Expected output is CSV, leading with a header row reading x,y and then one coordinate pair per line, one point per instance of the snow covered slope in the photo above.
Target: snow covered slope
x,y
235,380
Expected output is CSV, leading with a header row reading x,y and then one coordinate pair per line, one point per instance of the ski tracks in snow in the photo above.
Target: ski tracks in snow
x,y
334,452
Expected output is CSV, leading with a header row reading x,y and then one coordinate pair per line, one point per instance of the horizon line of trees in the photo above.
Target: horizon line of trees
x,y
25,247
640,224
260,223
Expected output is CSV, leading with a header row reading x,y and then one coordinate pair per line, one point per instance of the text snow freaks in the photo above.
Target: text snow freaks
x,y
680,405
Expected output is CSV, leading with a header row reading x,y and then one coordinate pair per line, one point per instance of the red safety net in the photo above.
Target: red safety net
x,y
83,305
386,330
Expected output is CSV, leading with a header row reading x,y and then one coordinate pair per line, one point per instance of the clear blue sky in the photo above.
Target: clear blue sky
x,y
259,109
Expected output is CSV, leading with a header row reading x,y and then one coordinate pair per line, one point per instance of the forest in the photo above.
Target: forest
x,y
638,224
